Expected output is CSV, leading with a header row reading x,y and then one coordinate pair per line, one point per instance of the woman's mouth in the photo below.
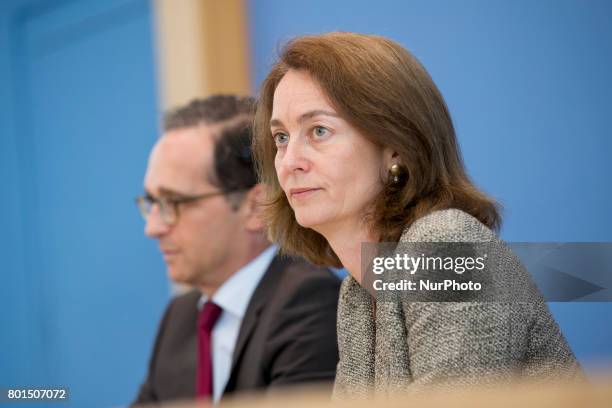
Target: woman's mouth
x,y
302,193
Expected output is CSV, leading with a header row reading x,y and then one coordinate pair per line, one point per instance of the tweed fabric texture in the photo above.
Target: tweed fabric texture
x,y
389,347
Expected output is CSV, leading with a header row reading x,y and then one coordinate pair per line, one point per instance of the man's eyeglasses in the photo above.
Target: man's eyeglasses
x,y
169,206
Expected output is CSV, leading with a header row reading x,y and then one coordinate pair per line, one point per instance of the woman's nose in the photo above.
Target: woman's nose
x,y
296,156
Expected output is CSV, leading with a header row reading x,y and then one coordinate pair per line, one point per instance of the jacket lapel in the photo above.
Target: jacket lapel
x,y
264,290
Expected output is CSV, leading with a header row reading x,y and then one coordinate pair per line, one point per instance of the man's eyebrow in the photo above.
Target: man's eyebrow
x,y
305,116
164,191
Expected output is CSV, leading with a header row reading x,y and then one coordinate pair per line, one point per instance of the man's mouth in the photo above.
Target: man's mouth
x,y
169,253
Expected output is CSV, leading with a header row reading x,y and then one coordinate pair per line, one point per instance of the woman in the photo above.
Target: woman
x,y
356,145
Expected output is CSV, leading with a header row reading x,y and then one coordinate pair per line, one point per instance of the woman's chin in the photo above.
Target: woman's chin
x,y
311,221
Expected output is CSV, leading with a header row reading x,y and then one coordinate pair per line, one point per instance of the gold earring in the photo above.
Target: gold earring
x,y
395,171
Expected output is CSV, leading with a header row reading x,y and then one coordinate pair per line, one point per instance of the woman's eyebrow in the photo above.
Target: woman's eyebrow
x,y
307,115
276,123
317,112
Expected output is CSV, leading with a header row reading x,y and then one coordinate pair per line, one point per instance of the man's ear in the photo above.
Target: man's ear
x,y
253,210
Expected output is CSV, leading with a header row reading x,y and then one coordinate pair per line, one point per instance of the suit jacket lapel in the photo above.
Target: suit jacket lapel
x,y
251,317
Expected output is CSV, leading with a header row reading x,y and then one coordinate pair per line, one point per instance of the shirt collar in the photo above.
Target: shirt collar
x,y
234,294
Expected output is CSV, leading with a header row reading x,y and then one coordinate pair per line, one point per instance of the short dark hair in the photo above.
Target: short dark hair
x,y
209,111
233,169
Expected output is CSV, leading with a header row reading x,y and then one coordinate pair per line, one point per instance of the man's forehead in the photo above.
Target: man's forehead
x,y
181,159
187,144
200,134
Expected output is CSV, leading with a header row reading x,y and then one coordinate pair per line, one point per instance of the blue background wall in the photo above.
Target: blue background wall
x,y
82,290
529,87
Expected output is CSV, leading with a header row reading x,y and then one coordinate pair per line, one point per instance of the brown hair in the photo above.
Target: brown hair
x,y
386,94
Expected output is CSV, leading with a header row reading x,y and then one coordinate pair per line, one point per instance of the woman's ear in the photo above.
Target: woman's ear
x,y
390,157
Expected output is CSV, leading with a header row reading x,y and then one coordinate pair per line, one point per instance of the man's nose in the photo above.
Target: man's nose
x,y
155,225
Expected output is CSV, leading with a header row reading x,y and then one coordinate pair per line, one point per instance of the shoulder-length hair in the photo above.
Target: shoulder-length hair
x,y
383,91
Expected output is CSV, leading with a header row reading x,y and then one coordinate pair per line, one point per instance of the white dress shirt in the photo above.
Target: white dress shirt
x,y
233,297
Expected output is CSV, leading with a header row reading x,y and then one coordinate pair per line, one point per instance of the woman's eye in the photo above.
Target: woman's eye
x,y
281,139
320,131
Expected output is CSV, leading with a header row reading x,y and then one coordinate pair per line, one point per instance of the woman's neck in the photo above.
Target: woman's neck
x,y
346,242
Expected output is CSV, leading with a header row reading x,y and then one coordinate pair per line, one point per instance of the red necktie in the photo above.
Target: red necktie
x,y
204,379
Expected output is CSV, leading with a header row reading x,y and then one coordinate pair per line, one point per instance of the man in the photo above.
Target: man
x,y
255,319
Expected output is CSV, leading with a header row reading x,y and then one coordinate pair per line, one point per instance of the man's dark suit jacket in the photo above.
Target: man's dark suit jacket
x,y
287,336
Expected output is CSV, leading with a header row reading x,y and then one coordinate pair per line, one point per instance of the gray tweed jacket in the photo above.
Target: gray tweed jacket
x,y
408,346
